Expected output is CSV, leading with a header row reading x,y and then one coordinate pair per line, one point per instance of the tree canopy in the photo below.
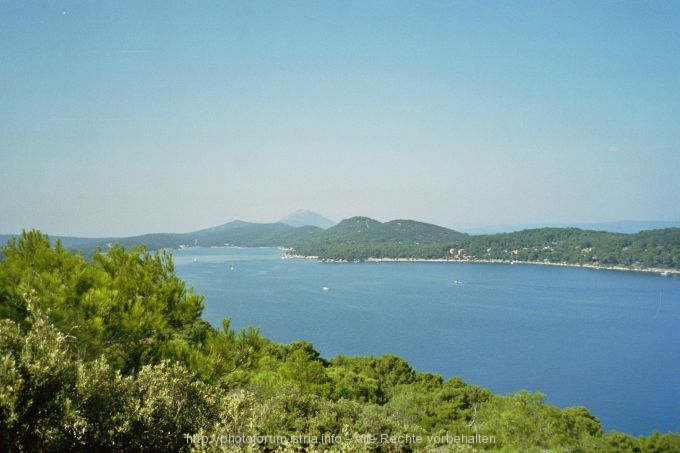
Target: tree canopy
x,y
647,249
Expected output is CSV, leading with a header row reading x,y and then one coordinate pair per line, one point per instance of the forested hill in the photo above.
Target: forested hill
x,y
653,248
360,238
111,354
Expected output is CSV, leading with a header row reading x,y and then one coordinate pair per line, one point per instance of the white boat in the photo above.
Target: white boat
x,y
325,288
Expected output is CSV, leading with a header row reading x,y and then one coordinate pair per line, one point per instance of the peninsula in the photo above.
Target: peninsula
x,y
364,239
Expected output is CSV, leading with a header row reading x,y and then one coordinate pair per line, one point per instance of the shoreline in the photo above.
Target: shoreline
x,y
648,270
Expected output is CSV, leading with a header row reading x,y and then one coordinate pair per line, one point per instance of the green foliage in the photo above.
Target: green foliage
x,y
524,422
655,443
53,402
128,305
357,239
36,379
440,407
111,355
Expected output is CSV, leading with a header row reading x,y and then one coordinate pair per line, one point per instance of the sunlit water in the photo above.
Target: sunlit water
x,y
607,340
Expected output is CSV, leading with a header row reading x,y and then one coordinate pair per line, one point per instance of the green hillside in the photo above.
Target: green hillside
x,y
362,237
647,249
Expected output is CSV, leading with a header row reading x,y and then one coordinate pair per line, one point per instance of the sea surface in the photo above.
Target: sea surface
x,y
607,340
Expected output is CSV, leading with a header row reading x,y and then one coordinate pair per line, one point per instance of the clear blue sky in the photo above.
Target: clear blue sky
x,y
126,117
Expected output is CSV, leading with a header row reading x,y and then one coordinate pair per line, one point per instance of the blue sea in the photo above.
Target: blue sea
x,y
607,340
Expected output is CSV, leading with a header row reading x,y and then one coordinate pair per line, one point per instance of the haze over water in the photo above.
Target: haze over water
x,y
603,339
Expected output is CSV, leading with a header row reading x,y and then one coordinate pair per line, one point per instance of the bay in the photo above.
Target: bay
x,y
607,340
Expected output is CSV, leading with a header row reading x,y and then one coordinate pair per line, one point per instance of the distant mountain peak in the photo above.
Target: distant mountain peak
x,y
304,217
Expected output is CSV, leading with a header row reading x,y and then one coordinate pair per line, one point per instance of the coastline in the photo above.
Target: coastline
x,y
649,270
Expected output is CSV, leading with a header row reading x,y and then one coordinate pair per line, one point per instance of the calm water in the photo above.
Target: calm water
x,y
603,339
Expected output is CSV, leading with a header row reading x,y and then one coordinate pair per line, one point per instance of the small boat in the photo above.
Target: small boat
x,y
665,273
457,282
231,268
325,288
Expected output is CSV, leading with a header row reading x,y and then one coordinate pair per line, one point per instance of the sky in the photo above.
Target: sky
x,y
128,117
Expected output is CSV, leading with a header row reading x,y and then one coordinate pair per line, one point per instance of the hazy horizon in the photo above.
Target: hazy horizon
x,y
125,118
620,226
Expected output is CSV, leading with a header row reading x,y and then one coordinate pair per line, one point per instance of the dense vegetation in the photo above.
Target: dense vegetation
x,y
348,241
359,238
655,248
111,354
